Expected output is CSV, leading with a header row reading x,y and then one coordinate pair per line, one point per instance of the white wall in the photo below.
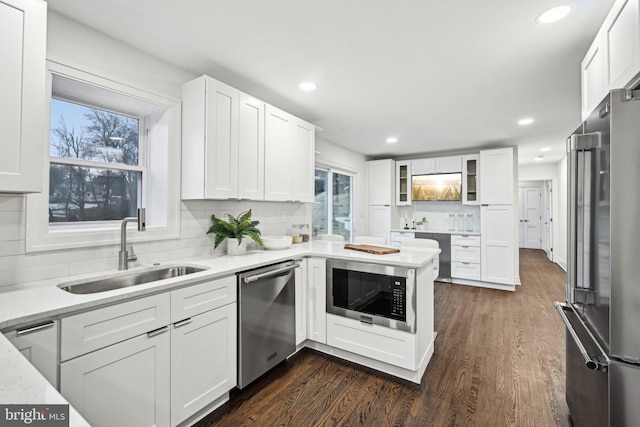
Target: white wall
x,y
332,155
546,172
563,213
73,44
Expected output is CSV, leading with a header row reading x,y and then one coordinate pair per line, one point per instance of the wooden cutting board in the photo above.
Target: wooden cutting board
x,y
377,250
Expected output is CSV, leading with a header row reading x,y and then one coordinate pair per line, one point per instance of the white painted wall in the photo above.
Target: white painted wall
x,y
76,45
563,213
329,154
545,172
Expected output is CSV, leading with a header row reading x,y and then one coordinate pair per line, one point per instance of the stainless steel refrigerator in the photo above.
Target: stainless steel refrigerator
x,y
602,311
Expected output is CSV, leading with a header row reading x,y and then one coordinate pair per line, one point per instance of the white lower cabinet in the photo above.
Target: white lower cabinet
x,y
301,302
126,384
497,244
39,344
377,342
317,300
465,257
203,360
182,362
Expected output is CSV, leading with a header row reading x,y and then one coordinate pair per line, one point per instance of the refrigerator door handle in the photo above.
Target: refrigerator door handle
x,y
590,362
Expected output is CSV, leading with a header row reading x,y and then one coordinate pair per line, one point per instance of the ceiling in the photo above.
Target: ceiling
x,y
441,76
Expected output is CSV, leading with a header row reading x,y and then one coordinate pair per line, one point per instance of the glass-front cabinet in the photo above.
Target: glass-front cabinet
x,y
403,183
470,176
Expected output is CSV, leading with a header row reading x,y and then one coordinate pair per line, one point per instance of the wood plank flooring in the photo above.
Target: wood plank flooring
x,y
498,361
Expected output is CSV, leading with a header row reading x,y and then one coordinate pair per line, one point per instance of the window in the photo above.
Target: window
x,y
111,146
96,172
332,210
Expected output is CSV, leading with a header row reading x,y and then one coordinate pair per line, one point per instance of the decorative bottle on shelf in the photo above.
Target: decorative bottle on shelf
x,y
469,221
460,225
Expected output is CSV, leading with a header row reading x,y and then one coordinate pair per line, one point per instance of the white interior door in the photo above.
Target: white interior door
x,y
530,216
521,218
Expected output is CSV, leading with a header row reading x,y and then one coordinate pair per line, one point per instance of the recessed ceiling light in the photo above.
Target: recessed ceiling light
x,y
554,14
539,158
545,149
308,86
392,140
524,122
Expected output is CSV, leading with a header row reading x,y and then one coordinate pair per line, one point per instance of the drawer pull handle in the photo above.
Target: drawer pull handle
x,y
35,328
157,331
466,247
183,322
465,263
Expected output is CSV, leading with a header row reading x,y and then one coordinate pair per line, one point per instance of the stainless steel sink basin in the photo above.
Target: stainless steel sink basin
x,y
127,280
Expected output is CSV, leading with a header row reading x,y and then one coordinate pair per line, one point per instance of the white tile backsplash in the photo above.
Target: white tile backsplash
x,y
19,267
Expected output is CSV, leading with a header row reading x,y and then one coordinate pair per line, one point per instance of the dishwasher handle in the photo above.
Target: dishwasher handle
x,y
291,266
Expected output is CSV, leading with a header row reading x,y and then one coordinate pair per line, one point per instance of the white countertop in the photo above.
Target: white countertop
x,y
20,304
466,233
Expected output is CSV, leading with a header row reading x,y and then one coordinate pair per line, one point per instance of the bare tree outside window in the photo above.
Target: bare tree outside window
x,y
94,170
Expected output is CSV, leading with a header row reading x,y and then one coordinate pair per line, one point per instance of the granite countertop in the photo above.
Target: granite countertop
x,y
24,303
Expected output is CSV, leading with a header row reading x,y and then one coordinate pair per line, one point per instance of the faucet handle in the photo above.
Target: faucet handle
x,y
132,256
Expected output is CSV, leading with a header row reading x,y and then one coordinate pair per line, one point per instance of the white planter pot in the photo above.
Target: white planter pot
x,y
235,248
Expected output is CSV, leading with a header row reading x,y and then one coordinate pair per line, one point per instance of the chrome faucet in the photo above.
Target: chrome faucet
x,y
123,255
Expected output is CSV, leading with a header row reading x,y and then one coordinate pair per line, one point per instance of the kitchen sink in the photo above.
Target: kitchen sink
x,y
127,280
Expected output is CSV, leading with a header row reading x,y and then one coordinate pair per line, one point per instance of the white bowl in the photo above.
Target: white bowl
x,y
276,242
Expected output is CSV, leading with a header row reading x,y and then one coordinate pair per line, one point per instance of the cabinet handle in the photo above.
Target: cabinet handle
x,y
466,247
35,328
183,322
157,331
465,263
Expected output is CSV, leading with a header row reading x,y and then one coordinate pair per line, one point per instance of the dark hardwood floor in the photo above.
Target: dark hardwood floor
x,y
498,361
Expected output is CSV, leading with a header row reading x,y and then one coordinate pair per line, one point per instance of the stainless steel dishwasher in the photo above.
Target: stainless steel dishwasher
x,y
266,319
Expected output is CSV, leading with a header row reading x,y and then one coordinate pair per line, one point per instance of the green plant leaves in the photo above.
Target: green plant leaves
x,y
235,228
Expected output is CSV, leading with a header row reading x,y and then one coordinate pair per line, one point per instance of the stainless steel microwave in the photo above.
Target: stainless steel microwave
x,y
372,293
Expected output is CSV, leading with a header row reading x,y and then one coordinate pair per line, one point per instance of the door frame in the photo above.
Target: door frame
x,y
539,185
331,169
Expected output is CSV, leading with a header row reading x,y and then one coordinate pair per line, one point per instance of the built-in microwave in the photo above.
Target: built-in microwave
x,y
372,293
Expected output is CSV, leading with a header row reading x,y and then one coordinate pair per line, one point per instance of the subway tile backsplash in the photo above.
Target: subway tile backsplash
x,y
16,266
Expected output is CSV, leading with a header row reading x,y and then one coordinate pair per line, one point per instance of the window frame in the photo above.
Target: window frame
x,y
162,222
330,170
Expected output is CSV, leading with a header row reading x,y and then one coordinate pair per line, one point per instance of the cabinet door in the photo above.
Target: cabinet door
x,y
380,222
251,148
277,155
380,178
301,302
470,184
594,79
317,300
126,384
39,344
450,164
497,244
203,360
621,32
303,163
403,183
423,166
22,101
496,176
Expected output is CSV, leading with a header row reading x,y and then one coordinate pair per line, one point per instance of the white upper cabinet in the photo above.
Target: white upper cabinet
x,y
209,140
403,183
381,174
621,33
289,157
496,176
23,119
251,148
470,180
613,59
450,164
423,166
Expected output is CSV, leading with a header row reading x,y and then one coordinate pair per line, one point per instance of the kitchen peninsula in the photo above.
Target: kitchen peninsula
x,y
34,303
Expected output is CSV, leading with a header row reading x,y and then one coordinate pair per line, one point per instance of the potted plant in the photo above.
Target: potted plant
x,y
421,223
234,230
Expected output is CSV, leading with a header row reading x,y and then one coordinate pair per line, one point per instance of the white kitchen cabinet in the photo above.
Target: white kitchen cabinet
x,y
423,166
381,182
380,222
317,300
126,384
466,255
377,342
496,176
210,111
470,180
251,148
621,40
398,236
23,104
301,302
593,74
449,164
38,343
289,157
497,244
403,183
203,360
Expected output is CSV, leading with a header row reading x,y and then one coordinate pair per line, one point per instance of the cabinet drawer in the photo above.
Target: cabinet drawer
x,y
465,240
465,270
374,341
196,299
465,254
99,328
